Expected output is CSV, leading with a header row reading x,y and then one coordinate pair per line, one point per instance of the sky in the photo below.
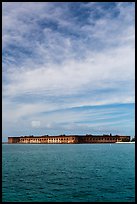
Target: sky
x,y
68,68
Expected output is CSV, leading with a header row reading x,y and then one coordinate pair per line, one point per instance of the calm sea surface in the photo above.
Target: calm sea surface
x,y
68,172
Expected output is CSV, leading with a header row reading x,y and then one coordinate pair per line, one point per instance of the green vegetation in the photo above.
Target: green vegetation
x,y
133,139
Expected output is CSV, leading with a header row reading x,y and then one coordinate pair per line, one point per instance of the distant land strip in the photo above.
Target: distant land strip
x,y
68,139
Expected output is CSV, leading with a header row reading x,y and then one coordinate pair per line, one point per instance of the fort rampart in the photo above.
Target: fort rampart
x,y
68,139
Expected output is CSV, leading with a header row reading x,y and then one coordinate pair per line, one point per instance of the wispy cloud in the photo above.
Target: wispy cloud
x,y
62,55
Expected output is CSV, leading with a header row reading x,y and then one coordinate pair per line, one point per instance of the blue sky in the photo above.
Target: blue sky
x,y
68,67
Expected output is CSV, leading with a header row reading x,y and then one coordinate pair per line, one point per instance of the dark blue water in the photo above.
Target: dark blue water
x,y
68,172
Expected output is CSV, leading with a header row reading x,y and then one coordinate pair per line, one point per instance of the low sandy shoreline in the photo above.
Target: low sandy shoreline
x,y
125,142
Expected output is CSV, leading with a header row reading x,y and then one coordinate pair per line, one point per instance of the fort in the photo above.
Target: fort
x,y
68,139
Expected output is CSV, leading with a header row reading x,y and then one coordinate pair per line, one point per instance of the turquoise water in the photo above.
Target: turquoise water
x,y
68,173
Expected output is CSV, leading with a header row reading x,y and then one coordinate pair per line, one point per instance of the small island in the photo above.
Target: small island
x,y
68,139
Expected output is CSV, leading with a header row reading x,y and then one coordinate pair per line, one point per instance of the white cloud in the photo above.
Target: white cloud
x,y
75,76
35,124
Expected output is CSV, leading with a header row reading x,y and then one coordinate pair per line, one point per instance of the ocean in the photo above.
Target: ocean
x,y
68,172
